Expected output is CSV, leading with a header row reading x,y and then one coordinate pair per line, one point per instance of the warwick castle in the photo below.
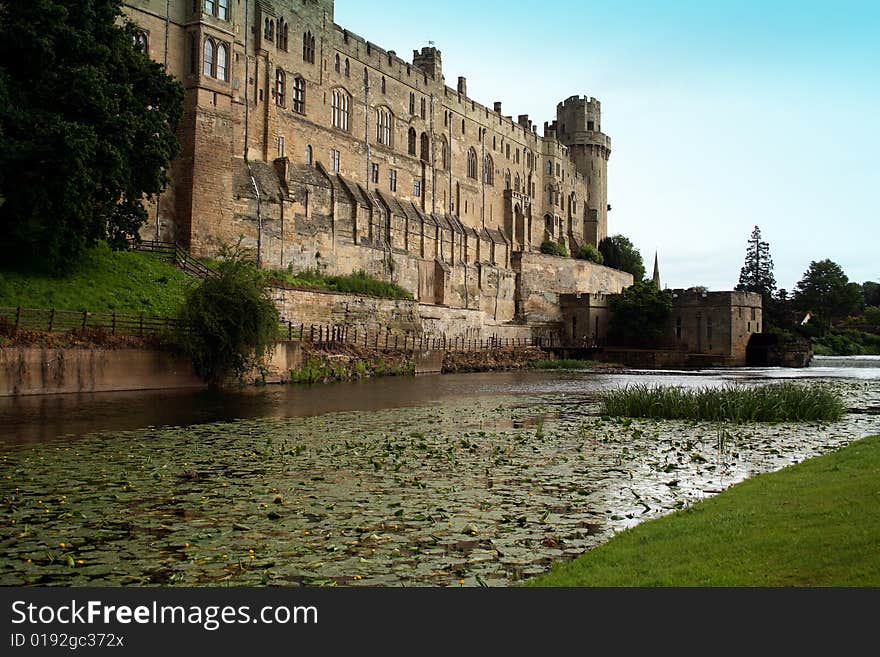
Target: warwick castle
x,y
322,150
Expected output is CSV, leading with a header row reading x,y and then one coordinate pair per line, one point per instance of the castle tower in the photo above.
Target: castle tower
x,y
579,122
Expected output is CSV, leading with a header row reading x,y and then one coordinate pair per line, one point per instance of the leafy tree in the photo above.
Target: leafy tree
x,y
871,293
86,128
619,253
591,253
756,274
640,312
232,318
549,247
826,292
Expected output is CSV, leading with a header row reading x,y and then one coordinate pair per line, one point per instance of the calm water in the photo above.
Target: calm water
x,y
433,481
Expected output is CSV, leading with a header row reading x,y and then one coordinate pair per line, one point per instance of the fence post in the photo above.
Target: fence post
x,y
17,317
51,319
85,319
113,324
312,333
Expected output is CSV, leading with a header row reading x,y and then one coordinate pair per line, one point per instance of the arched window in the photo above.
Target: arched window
x,y
411,141
549,167
309,48
488,170
444,154
340,109
412,103
222,62
336,63
507,180
383,84
424,109
384,128
309,155
283,33
425,148
280,83
472,164
516,182
347,68
141,42
299,95
208,58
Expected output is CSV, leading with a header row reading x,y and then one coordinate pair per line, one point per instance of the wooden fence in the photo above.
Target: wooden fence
x,y
173,252
54,320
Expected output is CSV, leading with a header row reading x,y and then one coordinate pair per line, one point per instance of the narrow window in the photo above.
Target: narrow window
x,y
334,160
223,9
374,171
280,146
340,109
462,126
590,125
417,188
309,155
488,170
279,87
425,148
336,63
412,103
299,95
383,84
392,180
309,48
411,141
347,68
222,59
383,126
141,42
472,164
424,109
208,59
549,168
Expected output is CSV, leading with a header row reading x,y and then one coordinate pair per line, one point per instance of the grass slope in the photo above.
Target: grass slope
x,y
813,524
105,281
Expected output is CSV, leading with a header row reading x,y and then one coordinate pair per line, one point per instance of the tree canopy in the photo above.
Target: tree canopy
x,y
756,274
640,312
86,128
620,253
825,291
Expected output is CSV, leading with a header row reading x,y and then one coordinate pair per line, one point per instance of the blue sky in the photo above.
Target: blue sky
x,y
722,115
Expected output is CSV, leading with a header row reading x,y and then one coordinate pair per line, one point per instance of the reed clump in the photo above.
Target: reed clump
x,y
783,402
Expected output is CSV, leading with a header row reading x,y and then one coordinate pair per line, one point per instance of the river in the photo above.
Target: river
x,y
438,480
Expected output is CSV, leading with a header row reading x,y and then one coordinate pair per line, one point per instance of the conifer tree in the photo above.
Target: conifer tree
x,y
757,272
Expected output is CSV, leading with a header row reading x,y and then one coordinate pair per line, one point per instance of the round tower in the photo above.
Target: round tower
x,y
579,122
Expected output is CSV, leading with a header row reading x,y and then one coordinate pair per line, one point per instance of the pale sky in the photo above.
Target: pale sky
x,y
722,115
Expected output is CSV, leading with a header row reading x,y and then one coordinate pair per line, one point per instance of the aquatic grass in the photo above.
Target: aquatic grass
x,y
783,402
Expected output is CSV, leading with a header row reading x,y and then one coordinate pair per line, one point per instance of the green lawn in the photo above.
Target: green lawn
x,y
105,281
813,524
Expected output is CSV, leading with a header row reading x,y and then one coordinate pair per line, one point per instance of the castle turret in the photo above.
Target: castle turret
x,y
579,123
429,61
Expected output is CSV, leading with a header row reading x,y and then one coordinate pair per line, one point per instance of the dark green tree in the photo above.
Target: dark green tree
x,y
871,293
86,128
231,319
620,253
756,274
641,312
826,292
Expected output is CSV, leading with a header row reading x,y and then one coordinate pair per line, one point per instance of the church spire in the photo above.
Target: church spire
x,y
656,271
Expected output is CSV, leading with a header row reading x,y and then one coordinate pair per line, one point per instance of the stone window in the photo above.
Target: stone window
x,y
210,6
472,164
412,103
334,160
341,107
424,109
208,58
411,141
283,34
425,148
309,48
516,184
374,173
444,154
383,84
299,95
223,9
347,68
384,126
462,128
142,42
336,63
309,155
222,62
269,30
507,180
280,83
549,168
557,168
488,170
280,146
590,125
392,180
417,187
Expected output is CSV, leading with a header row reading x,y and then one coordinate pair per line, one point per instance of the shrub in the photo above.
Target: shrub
x,y
770,403
232,318
640,312
549,247
591,253
357,283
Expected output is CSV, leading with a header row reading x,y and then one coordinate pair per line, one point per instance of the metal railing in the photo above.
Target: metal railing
x,y
176,254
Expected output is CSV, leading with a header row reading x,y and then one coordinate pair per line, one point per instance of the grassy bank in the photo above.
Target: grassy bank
x,y
812,524
784,402
105,281
357,283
